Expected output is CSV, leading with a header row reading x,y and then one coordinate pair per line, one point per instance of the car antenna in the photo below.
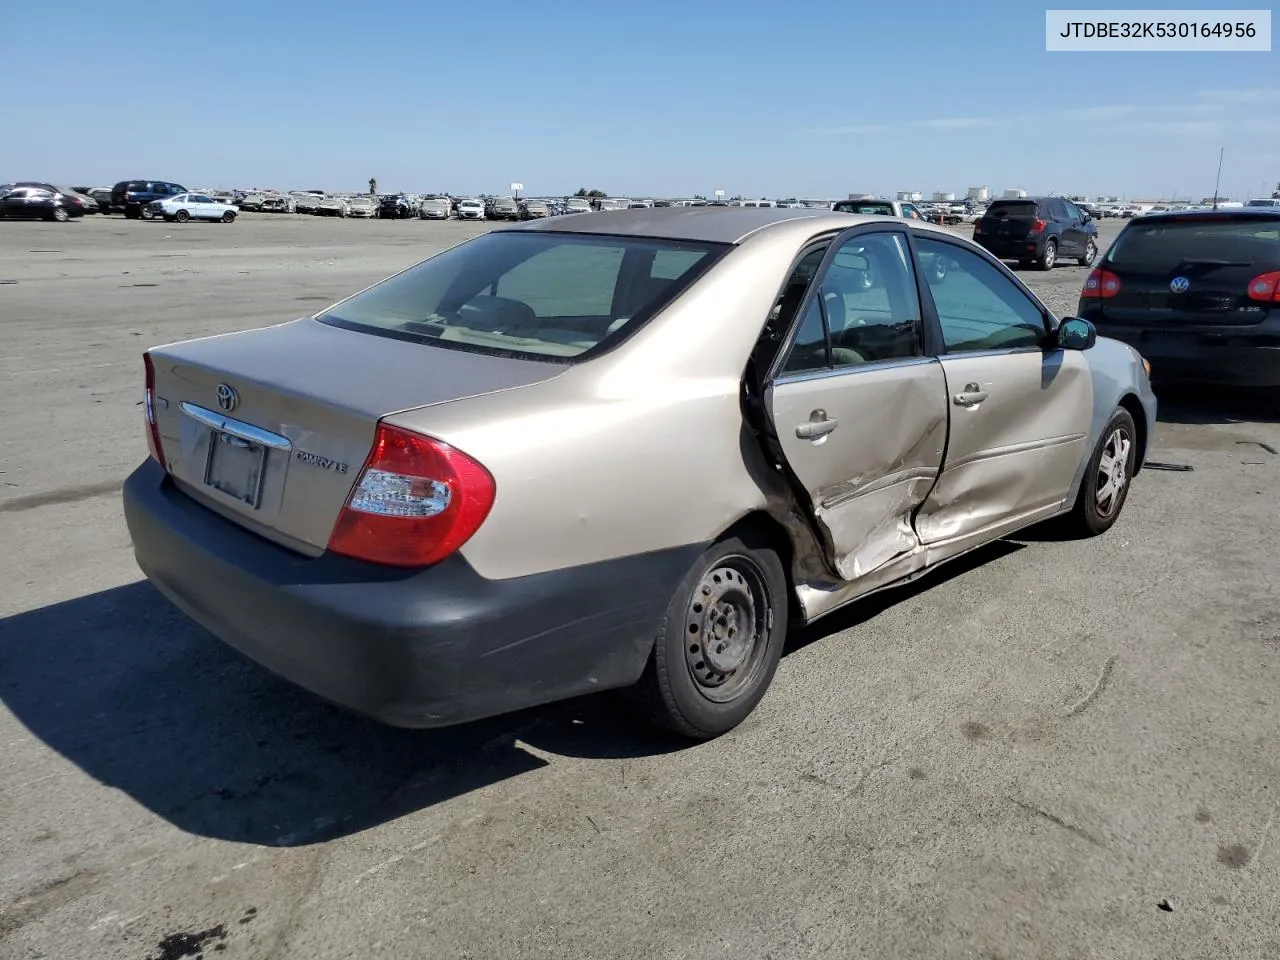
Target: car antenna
x,y
1218,182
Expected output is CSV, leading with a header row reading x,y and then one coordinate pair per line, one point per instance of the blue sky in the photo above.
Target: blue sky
x,y
667,98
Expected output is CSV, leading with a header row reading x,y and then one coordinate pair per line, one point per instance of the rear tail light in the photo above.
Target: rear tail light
x,y
417,501
149,406
1265,287
1038,226
1100,285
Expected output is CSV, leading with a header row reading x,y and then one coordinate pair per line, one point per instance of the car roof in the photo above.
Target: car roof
x,y
1236,214
702,224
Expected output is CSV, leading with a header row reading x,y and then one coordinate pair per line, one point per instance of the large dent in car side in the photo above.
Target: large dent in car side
x,y
873,511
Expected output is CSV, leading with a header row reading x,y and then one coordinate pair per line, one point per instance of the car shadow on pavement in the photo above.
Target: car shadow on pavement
x,y
141,699
1209,405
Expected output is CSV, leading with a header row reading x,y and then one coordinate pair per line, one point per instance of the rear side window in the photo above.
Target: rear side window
x,y
535,295
1163,246
1013,208
865,209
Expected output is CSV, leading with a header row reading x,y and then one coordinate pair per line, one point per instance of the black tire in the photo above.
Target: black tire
x,y
1049,258
1088,517
146,213
182,216
229,216
1090,253
682,692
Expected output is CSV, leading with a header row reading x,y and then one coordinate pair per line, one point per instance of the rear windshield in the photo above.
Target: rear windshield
x,y
1166,245
864,208
544,296
1013,208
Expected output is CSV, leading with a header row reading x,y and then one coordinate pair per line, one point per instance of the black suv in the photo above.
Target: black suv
x,y
133,197
1039,230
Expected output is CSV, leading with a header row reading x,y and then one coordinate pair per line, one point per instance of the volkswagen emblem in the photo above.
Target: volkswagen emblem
x,y
228,399
1179,285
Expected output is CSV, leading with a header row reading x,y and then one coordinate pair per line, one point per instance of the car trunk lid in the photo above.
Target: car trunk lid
x,y
271,427
1011,220
1190,272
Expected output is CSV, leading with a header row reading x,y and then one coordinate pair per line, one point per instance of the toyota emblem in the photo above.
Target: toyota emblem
x,y
228,399
1179,284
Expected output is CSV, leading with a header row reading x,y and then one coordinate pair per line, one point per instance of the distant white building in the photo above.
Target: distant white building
x,y
1016,194
978,193
910,196
941,197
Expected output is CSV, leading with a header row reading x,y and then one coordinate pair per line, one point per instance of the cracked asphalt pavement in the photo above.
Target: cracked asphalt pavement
x,y
1049,749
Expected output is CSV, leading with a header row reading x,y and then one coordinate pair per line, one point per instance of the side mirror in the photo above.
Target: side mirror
x,y
1076,333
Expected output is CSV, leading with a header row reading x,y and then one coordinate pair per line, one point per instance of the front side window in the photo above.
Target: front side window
x,y
536,295
978,307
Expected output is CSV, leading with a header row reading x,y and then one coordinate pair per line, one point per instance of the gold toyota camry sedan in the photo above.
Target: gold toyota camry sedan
x,y
626,450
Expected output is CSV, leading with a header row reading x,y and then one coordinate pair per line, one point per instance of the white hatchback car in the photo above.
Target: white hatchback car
x,y
193,206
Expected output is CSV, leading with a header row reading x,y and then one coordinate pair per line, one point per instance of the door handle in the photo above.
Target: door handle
x,y
972,395
819,425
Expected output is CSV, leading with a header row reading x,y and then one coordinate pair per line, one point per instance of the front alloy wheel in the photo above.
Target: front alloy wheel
x,y
1107,478
1113,472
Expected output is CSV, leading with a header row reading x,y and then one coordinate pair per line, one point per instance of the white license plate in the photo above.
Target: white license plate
x,y
235,467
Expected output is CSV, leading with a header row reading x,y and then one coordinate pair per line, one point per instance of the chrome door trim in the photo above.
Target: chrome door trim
x,y
236,428
828,372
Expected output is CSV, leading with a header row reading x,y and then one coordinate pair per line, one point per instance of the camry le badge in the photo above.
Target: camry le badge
x,y
228,399
1179,284
324,463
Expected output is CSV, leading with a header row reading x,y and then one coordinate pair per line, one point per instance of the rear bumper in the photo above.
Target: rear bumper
x,y
1029,248
1242,357
411,648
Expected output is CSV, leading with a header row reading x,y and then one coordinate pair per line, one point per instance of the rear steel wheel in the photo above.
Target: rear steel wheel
x,y
1090,253
60,214
229,216
720,641
182,216
727,622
